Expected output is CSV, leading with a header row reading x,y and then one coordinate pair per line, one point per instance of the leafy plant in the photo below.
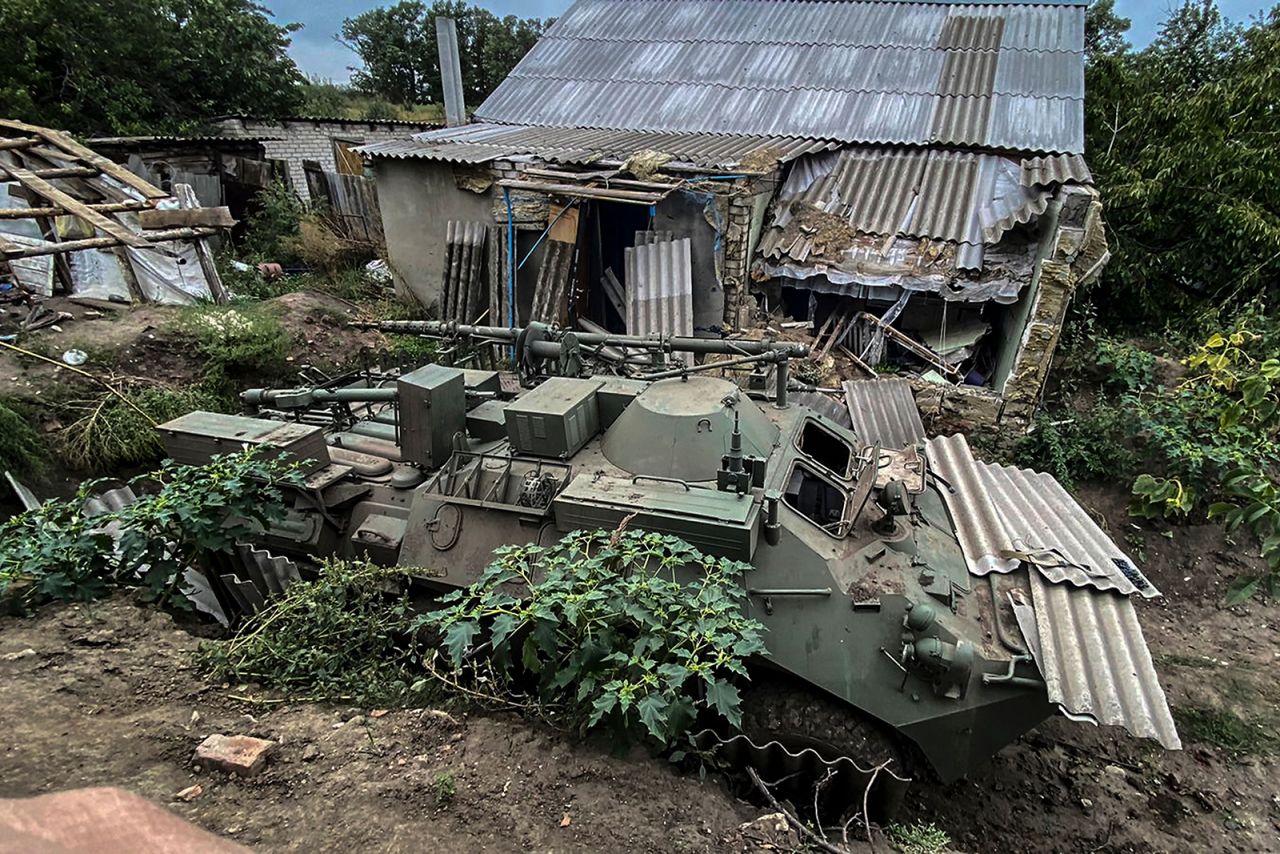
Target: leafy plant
x,y
445,788
271,230
1127,368
346,634
22,449
1090,445
919,838
631,629
57,551
1256,506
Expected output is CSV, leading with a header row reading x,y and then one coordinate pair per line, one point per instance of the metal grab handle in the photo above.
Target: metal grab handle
x,y
674,480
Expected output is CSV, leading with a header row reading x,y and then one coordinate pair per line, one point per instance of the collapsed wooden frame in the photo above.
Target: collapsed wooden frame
x,y
92,188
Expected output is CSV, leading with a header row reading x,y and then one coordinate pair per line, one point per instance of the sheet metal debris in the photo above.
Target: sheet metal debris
x,y
884,412
1008,516
659,282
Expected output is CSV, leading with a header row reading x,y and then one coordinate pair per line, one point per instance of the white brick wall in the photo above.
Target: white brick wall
x,y
312,139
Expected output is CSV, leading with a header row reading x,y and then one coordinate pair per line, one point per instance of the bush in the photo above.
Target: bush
x,y
56,551
237,341
109,433
1091,445
22,449
348,634
272,228
608,630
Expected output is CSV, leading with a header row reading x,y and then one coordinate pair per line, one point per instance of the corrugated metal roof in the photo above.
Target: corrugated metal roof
x,y
481,143
1007,516
987,75
963,198
884,412
1081,623
1055,169
1095,661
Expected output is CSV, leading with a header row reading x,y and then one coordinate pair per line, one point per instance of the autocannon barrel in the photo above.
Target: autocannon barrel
x,y
549,344
293,398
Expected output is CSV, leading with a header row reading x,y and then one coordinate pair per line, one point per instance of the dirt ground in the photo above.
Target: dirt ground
x,y
107,695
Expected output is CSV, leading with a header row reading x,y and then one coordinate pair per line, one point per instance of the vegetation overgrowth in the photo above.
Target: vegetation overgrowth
x,y
181,513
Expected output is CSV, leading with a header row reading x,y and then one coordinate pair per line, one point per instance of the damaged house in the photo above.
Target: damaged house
x,y
902,183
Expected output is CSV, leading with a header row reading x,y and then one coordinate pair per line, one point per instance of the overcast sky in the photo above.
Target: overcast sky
x,y
316,52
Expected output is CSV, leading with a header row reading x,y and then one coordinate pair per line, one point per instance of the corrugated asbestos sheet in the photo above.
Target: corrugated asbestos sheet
x,y
1007,516
660,289
823,405
463,286
997,75
1081,623
481,143
884,412
1096,665
961,198
553,282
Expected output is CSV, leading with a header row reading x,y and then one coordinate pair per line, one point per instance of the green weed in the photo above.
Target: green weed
x,y
346,634
445,788
919,838
244,340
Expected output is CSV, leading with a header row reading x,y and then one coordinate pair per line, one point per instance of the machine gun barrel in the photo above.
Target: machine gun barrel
x,y
549,345
300,398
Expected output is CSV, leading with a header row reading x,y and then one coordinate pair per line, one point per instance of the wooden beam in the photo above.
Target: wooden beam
x,y
38,185
100,207
50,248
571,190
80,152
219,217
60,172
18,142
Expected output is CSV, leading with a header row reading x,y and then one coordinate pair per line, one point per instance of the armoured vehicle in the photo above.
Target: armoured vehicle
x,y
918,602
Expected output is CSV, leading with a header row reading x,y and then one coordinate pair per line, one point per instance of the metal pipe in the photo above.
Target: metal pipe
x,y
706,366
780,382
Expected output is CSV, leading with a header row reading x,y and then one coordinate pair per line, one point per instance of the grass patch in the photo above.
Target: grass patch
x,y
1199,661
1225,730
108,433
919,838
23,450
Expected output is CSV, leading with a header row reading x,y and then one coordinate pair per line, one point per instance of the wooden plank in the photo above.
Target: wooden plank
x,y
100,207
565,225
50,248
104,224
190,204
80,152
219,217
57,172
18,142
571,190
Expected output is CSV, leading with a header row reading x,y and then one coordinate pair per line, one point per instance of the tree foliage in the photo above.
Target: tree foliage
x,y
397,45
1182,140
142,66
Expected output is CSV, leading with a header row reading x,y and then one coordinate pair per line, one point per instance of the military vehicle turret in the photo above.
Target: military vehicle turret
x,y
918,602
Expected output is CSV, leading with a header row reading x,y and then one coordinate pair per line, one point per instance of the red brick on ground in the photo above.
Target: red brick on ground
x,y
235,754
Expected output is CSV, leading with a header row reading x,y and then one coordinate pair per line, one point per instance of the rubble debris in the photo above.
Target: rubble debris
x,y
234,754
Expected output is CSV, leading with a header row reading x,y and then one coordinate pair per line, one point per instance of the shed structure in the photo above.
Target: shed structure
x,y
906,178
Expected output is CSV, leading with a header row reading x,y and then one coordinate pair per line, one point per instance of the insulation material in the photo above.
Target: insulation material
x,y
170,273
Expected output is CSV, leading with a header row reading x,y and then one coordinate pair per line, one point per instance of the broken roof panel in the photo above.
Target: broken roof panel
x,y
962,198
999,75
481,143
884,412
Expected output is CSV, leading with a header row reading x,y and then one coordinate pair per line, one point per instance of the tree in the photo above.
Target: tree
x,y
1104,30
142,66
1182,140
401,63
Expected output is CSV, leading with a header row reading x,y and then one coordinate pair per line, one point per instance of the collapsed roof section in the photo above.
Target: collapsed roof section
x,y
991,75
919,219
73,217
